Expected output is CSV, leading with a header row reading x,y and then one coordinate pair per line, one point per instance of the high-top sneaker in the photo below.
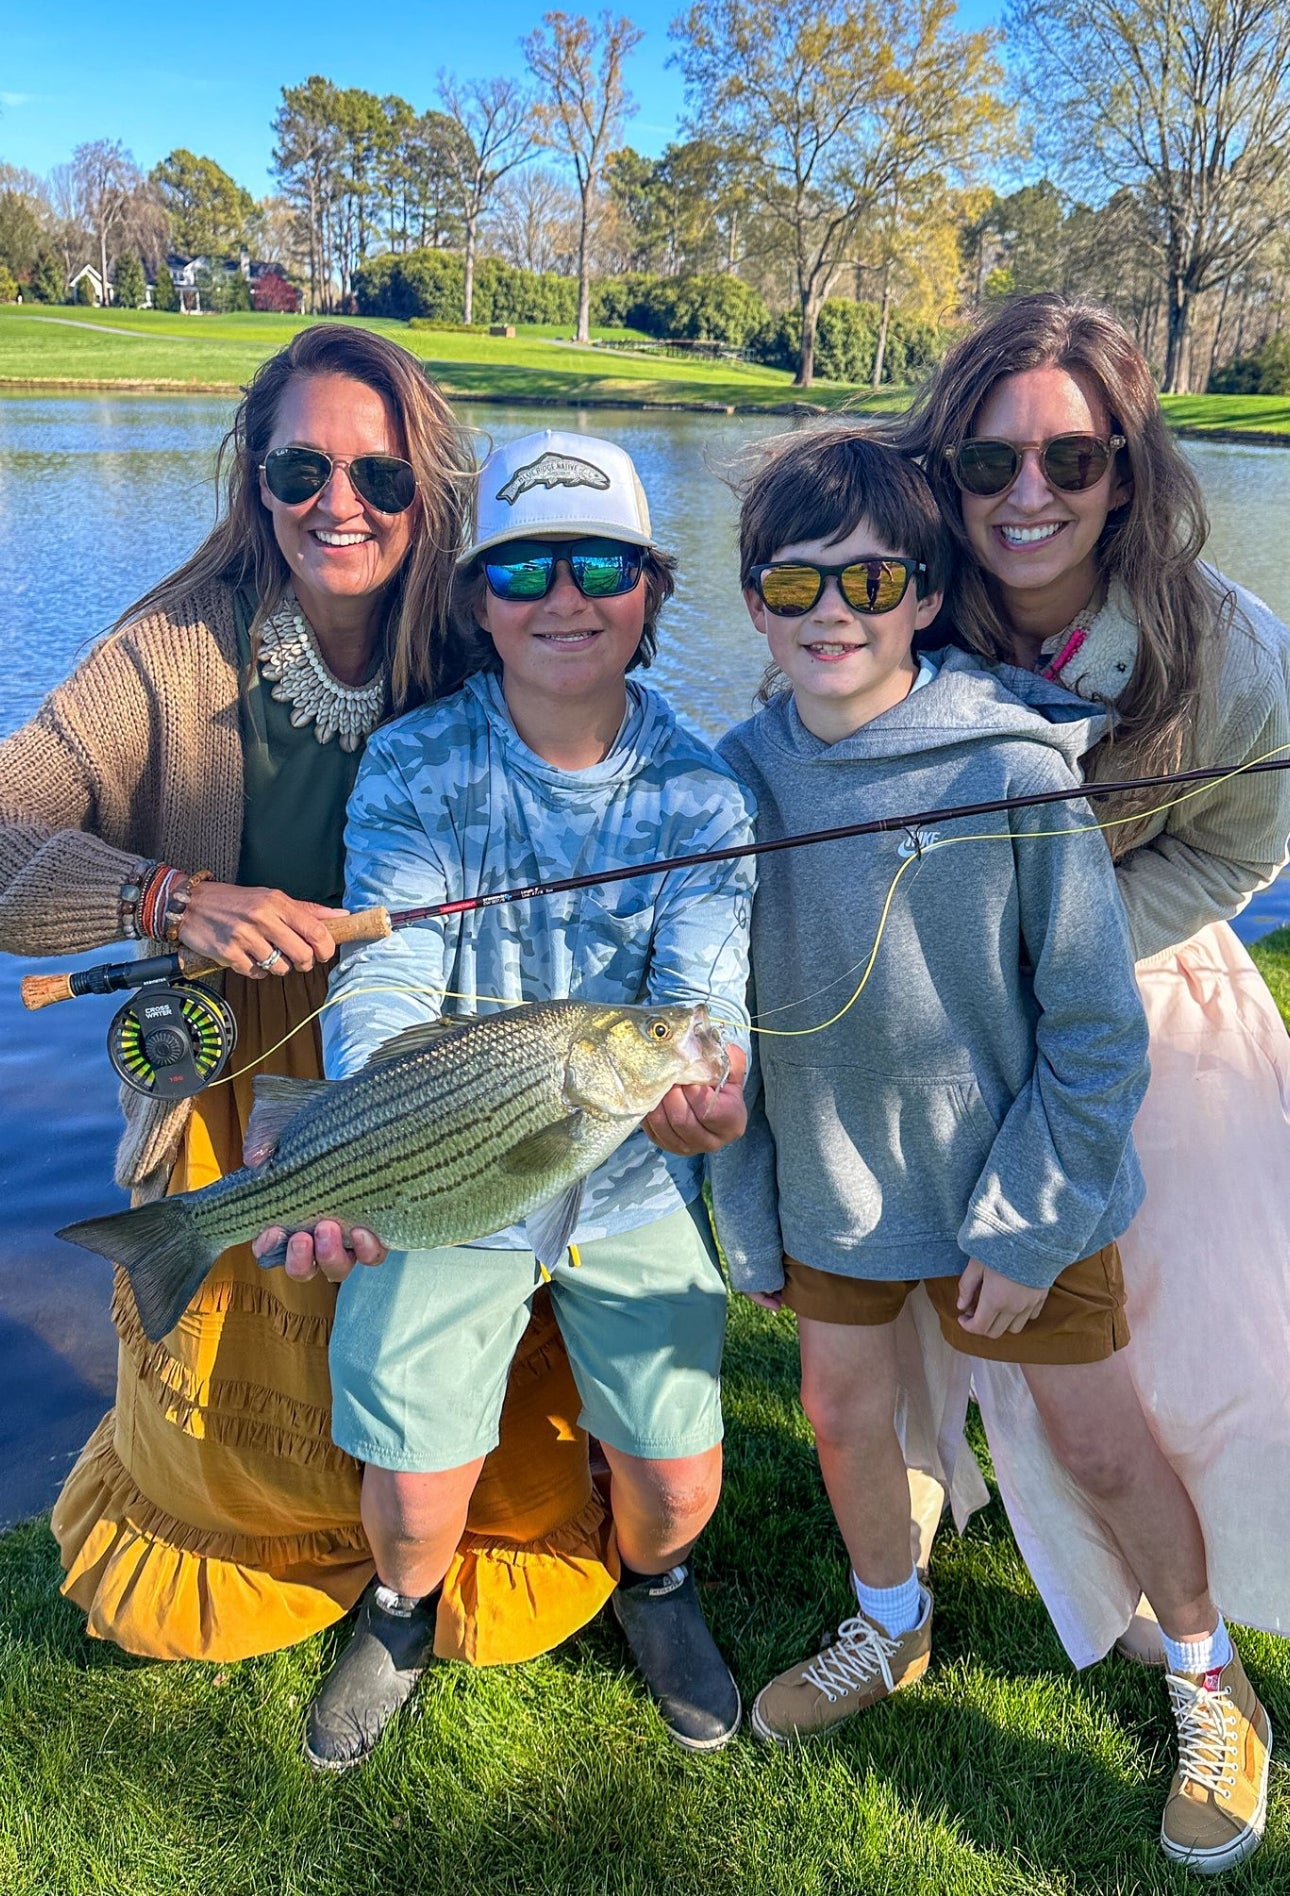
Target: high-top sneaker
x,y
1218,1800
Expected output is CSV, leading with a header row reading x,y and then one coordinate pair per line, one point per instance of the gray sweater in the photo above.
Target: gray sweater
x,y
978,1098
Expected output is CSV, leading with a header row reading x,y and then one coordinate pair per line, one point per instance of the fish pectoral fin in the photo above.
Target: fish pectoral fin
x,y
547,1151
277,1101
416,1039
550,1227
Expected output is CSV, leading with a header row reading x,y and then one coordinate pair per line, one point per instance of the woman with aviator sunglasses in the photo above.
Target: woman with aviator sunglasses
x,y
189,783
1079,528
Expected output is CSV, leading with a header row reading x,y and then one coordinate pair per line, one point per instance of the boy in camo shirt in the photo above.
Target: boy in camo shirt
x,y
548,762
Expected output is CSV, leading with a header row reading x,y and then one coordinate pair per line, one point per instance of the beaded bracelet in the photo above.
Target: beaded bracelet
x,y
177,899
127,901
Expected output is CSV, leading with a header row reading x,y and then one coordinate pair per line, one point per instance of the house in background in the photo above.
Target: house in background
x,y
270,289
89,274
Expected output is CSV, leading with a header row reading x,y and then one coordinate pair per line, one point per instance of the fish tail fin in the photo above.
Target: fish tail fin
x,y
161,1252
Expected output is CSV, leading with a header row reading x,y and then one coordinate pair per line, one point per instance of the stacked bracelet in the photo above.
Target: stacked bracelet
x,y
177,898
151,906
127,901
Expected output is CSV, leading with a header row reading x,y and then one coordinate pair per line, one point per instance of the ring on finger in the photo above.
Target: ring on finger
x,y
270,961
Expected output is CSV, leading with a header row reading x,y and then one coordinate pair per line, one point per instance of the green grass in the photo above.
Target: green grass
x,y
1230,416
1272,957
1004,1774
68,348
143,348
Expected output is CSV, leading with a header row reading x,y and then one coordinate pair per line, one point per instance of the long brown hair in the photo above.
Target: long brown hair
x,y
241,549
1150,545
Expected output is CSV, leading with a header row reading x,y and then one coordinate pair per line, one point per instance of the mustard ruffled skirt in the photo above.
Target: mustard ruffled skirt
x,y
210,1516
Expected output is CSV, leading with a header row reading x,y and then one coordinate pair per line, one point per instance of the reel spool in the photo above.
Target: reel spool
x,y
169,1041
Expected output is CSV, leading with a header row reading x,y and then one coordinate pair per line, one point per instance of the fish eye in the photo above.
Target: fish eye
x,y
659,1030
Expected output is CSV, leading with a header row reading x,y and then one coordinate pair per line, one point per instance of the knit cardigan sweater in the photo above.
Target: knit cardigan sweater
x,y
136,757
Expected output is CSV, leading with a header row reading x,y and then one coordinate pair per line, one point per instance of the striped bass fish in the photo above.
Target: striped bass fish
x,y
453,1130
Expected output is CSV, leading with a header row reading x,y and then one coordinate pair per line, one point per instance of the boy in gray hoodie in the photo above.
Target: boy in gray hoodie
x,y
965,1120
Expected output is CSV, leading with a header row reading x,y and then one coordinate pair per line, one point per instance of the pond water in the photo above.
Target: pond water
x,y
99,496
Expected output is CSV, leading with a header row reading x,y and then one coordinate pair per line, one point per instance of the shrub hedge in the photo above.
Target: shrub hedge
x,y
428,285
1264,371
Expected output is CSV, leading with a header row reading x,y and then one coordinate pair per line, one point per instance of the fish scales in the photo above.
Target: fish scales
x,y
437,1141
317,1172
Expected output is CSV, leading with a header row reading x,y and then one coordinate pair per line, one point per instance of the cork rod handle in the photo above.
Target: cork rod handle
x,y
42,990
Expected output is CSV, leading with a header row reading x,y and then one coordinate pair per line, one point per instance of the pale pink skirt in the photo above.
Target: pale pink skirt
x,y
1207,1269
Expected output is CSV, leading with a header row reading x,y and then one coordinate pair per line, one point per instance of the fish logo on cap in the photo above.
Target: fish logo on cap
x,y
552,470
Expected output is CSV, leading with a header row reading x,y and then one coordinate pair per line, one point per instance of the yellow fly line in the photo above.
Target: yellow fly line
x,y
919,855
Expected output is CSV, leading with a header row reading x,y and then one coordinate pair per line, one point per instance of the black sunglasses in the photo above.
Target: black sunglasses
x,y
295,475
1070,462
788,588
525,569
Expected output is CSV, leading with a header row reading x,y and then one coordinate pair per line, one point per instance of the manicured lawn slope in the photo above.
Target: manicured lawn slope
x,y
1004,1772
145,348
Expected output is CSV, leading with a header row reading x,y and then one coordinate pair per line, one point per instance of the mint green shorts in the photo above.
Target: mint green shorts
x,y
422,1345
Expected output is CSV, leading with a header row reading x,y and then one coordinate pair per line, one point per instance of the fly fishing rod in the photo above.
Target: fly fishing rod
x,y
176,1037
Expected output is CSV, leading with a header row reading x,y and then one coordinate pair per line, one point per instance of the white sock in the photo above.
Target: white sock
x,y
896,1609
1199,1655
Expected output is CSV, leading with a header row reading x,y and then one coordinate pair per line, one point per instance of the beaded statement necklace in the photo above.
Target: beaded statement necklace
x,y
290,659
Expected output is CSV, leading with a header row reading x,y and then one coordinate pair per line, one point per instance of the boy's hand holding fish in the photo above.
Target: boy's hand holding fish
x,y
690,1120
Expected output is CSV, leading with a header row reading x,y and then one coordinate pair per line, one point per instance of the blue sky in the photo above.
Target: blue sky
x,y
160,75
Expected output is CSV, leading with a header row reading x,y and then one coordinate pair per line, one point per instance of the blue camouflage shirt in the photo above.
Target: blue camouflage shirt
x,y
450,802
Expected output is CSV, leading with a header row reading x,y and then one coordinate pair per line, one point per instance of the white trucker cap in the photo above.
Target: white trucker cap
x,y
554,482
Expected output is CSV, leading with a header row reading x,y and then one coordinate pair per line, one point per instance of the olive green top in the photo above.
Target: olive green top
x,y
296,789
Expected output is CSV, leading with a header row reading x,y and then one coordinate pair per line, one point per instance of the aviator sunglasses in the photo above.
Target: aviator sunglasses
x,y
788,588
1070,462
295,475
525,569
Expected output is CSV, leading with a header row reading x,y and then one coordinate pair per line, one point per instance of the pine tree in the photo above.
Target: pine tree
x,y
85,293
164,293
8,285
47,283
238,294
128,282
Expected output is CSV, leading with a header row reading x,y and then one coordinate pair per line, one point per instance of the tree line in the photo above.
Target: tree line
x,y
831,150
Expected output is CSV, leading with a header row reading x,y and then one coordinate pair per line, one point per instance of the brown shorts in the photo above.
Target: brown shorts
x,y
1082,1320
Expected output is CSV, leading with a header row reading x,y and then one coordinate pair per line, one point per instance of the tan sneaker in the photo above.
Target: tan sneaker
x,y
1218,1800
862,1666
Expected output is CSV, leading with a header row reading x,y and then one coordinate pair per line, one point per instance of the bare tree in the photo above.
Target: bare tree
x,y
104,180
1186,102
532,222
494,119
581,109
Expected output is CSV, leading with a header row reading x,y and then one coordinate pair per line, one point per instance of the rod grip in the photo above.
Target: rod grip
x,y
371,924
42,990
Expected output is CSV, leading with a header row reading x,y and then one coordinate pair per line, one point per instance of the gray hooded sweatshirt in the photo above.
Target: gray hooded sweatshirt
x,y
978,1098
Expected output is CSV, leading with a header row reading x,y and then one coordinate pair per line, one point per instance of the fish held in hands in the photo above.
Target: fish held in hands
x,y
453,1130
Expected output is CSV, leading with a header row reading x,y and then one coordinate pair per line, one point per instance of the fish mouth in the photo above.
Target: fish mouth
x,y
702,1046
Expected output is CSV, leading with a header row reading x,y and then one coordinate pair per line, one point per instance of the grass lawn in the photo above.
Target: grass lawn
x,y
1005,1772
74,347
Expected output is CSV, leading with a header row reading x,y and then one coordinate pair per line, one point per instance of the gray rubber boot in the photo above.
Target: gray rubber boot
x,y
678,1659
374,1676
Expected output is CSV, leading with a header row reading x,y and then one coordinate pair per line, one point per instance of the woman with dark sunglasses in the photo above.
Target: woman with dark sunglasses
x,y
188,783
1079,528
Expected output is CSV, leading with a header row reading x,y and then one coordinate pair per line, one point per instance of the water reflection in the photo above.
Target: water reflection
x,y
102,494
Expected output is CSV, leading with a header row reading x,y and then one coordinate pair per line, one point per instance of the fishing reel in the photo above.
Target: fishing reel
x,y
171,1039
